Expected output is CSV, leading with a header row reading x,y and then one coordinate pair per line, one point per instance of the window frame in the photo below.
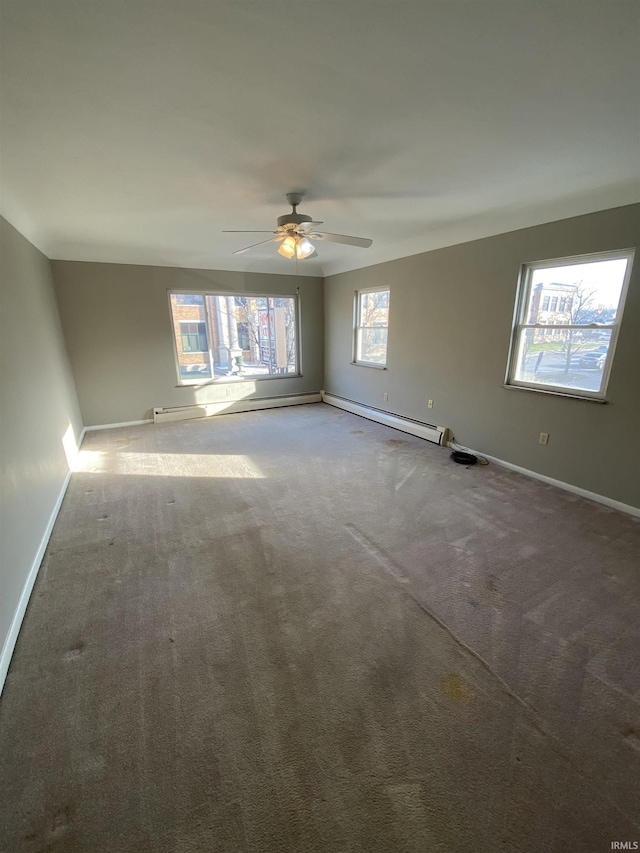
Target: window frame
x,y
357,326
221,380
523,290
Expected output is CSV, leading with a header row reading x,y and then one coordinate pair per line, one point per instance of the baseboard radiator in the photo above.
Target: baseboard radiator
x,y
430,432
162,414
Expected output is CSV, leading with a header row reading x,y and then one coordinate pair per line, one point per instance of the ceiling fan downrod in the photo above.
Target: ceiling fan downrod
x,y
294,218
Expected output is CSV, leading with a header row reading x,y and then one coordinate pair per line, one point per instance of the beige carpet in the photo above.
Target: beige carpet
x,y
298,630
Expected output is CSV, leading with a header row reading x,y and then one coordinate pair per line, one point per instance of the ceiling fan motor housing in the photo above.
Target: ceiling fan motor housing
x,y
291,221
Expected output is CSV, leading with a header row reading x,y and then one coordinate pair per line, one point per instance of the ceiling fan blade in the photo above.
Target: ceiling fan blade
x,y
249,232
362,242
305,226
261,243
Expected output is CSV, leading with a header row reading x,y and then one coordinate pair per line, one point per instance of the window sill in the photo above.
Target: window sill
x,y
235,380
555,393
366,364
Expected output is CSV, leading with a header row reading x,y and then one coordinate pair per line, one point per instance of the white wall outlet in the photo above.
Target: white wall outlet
x,y
544,438
430,404
385,396
228,392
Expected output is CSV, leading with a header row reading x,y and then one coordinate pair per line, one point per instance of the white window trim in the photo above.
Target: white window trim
x,y
222,380
356,327
524,281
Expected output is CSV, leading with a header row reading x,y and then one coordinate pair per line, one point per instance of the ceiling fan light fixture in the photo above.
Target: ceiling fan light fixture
x,y
304,249
288,247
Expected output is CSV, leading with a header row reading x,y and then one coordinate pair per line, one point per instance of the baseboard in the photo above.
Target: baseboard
x,y
567,487
115,426
430,432
206,410
18,616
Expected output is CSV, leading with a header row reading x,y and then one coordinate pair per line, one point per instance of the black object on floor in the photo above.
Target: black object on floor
x,y
464,458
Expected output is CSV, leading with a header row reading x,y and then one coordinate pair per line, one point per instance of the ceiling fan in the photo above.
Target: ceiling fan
x,y
295,232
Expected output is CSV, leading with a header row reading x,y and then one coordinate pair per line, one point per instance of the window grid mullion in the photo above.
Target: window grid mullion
x,y
569,326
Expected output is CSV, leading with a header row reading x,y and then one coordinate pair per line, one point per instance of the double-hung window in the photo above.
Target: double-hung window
x,y
228,336
567,318
371,327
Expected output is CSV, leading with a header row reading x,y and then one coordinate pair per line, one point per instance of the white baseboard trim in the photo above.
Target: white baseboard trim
x,y
567,487
12,637
207,410
115,426
430,432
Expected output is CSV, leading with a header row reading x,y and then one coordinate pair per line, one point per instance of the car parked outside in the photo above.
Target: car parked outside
x,y
594,359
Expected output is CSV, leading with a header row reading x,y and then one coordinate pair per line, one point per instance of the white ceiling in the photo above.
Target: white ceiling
x,y
135,131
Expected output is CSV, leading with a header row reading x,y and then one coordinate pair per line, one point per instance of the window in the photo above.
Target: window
x,y
226,335
371,327
194,337
569,352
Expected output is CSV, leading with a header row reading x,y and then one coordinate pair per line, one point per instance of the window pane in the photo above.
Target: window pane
x,y
374,308
190,330
372,346
284,317
265,333
253,335
566,358
228,357
576,294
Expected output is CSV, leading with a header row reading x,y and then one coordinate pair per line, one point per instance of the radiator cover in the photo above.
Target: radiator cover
x,y
430,432
163,414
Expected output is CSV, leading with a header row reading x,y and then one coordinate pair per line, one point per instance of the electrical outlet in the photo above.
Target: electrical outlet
x,y
544,438
430,404
385,396
228,392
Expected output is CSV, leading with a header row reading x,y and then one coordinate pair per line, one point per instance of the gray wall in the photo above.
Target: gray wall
x,y
37,404
119,336
450,325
